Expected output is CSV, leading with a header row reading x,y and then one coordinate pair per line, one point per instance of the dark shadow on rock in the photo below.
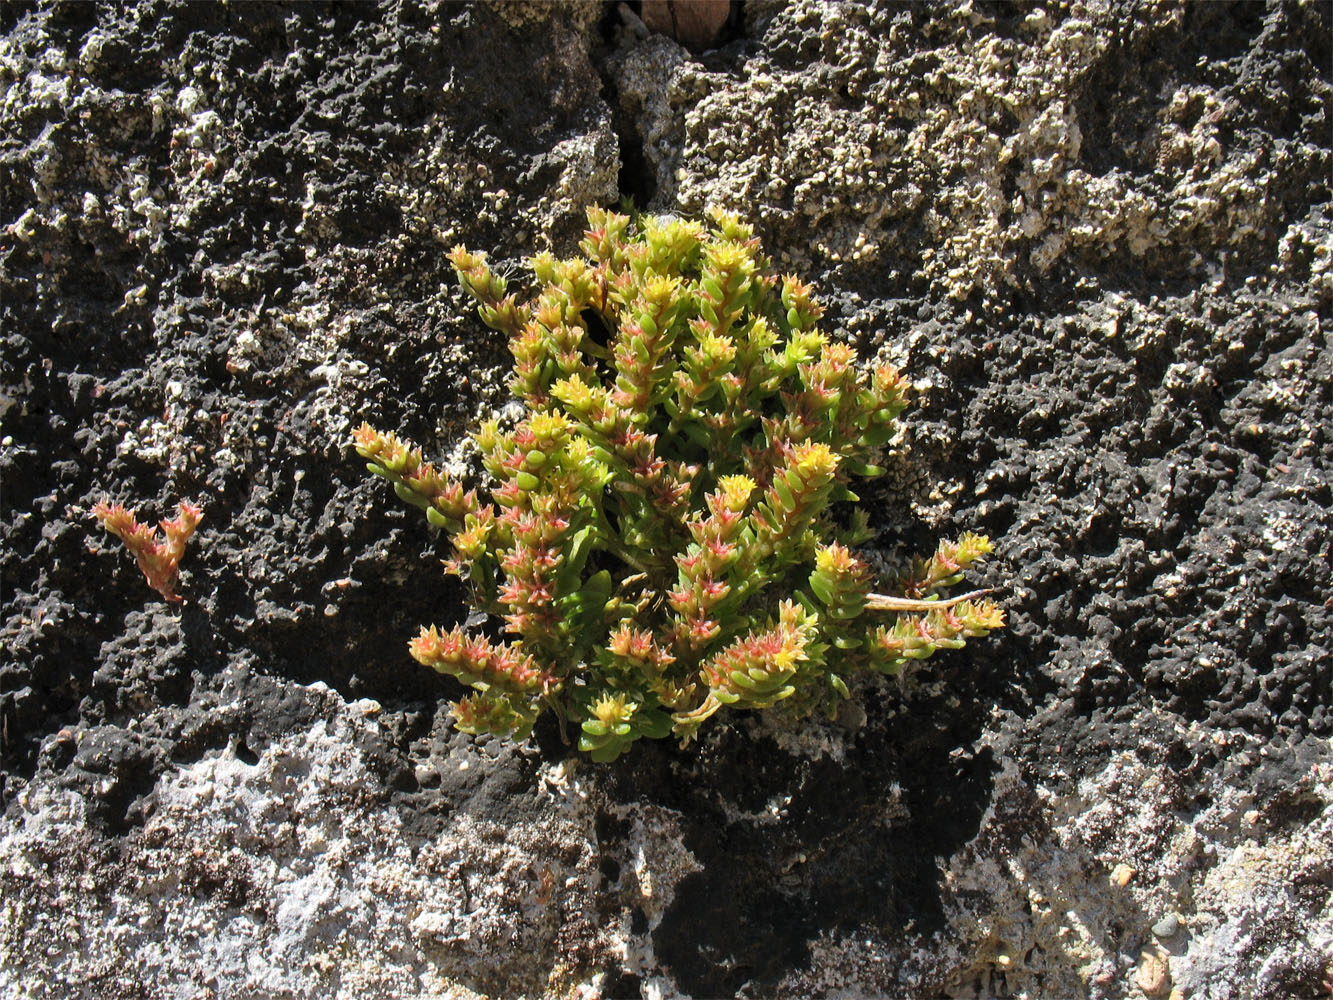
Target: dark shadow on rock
x,y
793,848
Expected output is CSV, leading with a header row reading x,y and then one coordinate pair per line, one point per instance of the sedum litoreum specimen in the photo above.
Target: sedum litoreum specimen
x,y
158,559
659,538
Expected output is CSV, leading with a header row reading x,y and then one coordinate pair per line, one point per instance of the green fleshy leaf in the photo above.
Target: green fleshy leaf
x,y
577,551
597,589
653,725
699,436
822,586
410,496
608,753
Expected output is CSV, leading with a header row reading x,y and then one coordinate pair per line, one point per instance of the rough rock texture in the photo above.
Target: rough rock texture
x,y
1098,237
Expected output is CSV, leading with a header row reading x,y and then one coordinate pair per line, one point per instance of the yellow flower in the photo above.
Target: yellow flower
x,y
613,709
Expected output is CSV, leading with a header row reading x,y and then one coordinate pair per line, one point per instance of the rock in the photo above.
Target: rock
x,y
1153,974
696,24
1096,239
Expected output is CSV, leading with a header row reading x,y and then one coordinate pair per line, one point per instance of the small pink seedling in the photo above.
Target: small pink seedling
x,y
157,558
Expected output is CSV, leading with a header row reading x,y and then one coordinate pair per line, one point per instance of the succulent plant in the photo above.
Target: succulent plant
x,y
670,529
158,559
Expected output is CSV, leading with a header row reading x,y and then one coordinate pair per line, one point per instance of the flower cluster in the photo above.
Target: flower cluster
x,y
158,559
662,536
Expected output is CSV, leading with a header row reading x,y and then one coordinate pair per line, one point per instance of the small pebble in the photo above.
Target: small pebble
x,y
1153,975
1167,926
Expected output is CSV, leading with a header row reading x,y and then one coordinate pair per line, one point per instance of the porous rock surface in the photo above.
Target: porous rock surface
x,y
1097,238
